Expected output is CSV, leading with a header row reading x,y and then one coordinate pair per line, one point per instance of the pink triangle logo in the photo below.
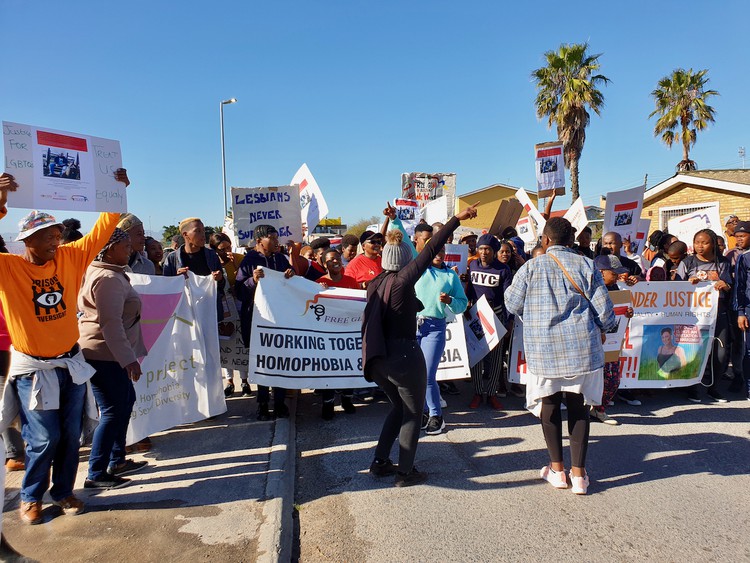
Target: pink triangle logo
x,y
156,312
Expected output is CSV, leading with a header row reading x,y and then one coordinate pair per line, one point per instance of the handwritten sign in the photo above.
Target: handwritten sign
x,y
275,206
62,170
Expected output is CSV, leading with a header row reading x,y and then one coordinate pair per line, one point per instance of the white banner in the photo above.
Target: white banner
x,y
312,203
684,227
550,168
517,368
623,212
530,207
181,379
276,206
457,255
454,363
427,187
526,229
436,211
233,351
576,214
61,170
483,331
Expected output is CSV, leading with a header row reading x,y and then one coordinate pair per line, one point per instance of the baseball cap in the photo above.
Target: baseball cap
x,y
36,221
610,262
742,227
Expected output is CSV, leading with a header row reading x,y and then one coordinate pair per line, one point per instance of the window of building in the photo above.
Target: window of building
x,y
667,213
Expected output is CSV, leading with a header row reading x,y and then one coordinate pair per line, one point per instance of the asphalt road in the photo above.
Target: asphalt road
x,y
671,483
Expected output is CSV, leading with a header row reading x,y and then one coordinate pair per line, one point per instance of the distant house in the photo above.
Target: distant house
x,y
489,200
594,214
687,192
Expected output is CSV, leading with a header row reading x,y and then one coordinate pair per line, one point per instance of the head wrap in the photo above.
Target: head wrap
x,y
118,236
128,221
489,240
185,222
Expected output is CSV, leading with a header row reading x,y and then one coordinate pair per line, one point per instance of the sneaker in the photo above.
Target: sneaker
x,y
555,478
126,467
108,482
347,404
443,403
435,425
579,485
14,465
602,417
327,412
281,410
476,402
383,469
629,398
451,388
263,412
31,512
229,389
716,396
71,505
414,477
692,395
245,388
494,402
425,420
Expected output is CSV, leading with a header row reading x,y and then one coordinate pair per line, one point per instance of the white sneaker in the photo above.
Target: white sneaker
x,y
579,485
555,478
443,403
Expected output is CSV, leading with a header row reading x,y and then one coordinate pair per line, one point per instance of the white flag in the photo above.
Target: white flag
x,y
311,200
577,215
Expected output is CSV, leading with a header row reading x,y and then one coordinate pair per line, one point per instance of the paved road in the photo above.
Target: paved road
x,y
670,484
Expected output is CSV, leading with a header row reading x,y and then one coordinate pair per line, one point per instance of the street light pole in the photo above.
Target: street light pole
x,y
223,156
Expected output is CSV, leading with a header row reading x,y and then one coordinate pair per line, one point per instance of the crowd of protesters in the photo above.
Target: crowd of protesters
x,y
68,361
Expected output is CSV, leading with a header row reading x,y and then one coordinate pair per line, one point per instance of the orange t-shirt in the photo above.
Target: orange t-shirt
x,y
40,301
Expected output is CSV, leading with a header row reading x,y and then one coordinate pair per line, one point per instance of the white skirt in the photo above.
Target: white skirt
x,y
590,385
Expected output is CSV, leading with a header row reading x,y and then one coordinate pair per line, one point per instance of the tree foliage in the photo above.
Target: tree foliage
x,y
361,226
172,230
567,87
681,104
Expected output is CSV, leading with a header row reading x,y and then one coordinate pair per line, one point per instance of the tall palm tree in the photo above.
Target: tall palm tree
x,y
682,109
567,89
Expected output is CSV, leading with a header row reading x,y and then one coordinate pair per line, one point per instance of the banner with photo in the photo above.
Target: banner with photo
x,y
181,380
550,168
408,211
667,342
623,212
425,187
62,170
526,230
276,206
530,208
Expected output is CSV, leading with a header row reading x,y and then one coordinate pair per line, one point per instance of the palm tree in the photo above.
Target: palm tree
x,y
682,109
567,89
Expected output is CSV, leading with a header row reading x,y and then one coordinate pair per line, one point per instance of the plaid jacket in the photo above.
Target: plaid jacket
x,y
561,329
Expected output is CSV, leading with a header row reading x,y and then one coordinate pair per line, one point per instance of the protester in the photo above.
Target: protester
x,y
564,305
349,244
155,253
676,253
652,247
741,303
316,265
730,223
627,247
721,245
742,246
610,268
37,291
391,356
177,241
507,255
490,278
437,289
71,230
422,233
335,277
660,258
138,262
470,240
366,266
265,254
612,241
111,342
708,265
583,247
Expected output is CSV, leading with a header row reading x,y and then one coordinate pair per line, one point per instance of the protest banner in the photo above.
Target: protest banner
x,y
507,216
457,255
275,206
313,206
637,244
234,355
62,170
668,341
181,379
483,331
517,364
526,230
530,207
576,214
435,211
408,211
614,338
684,227
623,212
550,168
424,187
304,336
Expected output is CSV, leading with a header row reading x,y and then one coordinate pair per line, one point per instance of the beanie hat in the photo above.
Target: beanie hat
x,y
489,240
396,253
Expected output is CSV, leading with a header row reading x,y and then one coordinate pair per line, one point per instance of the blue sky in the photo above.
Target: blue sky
x,y
361,91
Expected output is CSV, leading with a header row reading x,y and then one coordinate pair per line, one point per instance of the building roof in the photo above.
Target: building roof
x,y
731,180
593,213
514,188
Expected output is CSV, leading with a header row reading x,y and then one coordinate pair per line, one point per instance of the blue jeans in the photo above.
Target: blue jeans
x,y
52,439
431,336
115,397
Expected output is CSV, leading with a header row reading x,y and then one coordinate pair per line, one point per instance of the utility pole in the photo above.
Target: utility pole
x,y
741,152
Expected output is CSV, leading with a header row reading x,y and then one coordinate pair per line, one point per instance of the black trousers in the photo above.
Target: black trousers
x,y
402,375
578,427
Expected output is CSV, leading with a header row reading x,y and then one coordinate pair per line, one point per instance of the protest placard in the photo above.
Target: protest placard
x,y
234,355
435,211
685,226
181,379
550,168
526,230
576,214
614,338
424,187
457,255
454,363
507,216
62,170
275,206
313,206
517,369
483,331
524,199
407,210
623,212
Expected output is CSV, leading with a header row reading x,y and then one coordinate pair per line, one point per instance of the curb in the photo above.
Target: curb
x,y
275,534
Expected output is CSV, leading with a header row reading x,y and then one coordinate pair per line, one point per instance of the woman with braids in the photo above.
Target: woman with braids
x,y
706,264
391,354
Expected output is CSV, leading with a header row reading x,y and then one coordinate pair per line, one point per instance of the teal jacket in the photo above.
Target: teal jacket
x,y
434,282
